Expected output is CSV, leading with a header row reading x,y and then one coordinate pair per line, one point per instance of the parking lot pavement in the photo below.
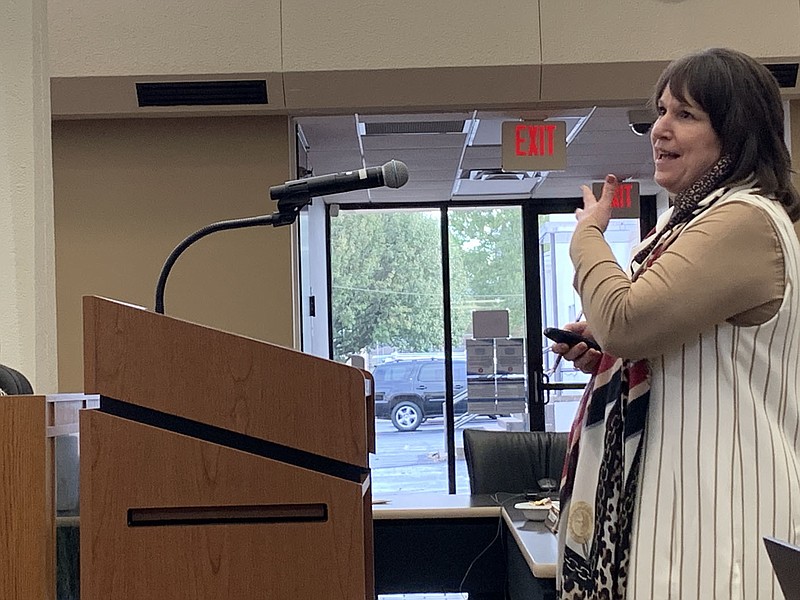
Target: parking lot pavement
x,y
416,461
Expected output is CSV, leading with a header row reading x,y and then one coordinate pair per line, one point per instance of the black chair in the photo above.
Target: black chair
x,y
14,383
514,461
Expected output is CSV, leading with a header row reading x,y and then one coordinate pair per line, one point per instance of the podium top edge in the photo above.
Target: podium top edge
x,y
71,397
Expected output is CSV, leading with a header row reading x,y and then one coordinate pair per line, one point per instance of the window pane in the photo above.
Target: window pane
x,y
392,373
432,373
487,279
386,280
561,304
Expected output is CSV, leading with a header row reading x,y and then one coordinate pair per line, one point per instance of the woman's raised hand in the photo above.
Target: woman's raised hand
x,y
598,209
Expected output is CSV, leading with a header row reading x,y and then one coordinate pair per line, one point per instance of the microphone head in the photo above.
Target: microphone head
x,y
395,174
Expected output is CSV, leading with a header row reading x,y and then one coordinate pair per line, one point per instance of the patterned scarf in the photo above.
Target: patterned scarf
x,y
601,471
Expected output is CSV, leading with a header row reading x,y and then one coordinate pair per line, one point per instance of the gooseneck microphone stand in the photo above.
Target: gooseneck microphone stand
x,y
288,209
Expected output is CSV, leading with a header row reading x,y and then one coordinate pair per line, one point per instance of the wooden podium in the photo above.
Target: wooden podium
x,y
219,466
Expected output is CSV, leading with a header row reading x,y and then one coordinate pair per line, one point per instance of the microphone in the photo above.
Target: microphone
x,y
291,197
393,174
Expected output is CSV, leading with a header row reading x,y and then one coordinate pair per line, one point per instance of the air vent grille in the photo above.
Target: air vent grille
x,y
202,93
498,175
785,74
413,127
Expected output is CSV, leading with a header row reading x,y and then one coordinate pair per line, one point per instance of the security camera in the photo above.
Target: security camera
x,y
640,128
640,121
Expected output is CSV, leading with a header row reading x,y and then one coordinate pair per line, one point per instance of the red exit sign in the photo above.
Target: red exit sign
x,y
625,204
534,145
534,140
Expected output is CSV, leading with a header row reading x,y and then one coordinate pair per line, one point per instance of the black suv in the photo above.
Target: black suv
x,y
410,391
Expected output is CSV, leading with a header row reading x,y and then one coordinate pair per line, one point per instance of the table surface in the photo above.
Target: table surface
x,y
539,546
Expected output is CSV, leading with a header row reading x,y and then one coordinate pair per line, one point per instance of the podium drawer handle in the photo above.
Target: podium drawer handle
x,y
226,515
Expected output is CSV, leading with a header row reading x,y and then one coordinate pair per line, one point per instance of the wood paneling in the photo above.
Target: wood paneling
x,y
145,464
27,517
128,465
220,379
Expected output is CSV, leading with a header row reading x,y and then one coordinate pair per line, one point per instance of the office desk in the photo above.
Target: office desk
x,y
427,542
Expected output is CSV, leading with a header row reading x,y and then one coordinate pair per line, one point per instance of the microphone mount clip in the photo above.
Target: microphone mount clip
x,y
290,206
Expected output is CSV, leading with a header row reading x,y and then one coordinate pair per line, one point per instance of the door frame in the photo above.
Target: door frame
x,y
538,387
531,210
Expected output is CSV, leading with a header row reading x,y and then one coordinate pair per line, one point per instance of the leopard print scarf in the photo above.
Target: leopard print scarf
x,y
688,204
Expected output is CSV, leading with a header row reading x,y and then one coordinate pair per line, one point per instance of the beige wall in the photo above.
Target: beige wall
x,y
152,37
352,54
128,191
27,265
114,37
576,32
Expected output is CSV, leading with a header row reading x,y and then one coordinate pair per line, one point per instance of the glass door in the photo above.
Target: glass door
x,y
563,384
488,323
387,313
552,301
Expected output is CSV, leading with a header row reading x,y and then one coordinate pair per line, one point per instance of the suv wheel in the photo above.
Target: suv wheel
x,y
406,415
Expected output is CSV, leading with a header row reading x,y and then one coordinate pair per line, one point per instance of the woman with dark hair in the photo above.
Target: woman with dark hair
x,y
685,451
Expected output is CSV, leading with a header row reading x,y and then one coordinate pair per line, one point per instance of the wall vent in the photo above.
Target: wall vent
x,y
202,93
785,73
413,127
